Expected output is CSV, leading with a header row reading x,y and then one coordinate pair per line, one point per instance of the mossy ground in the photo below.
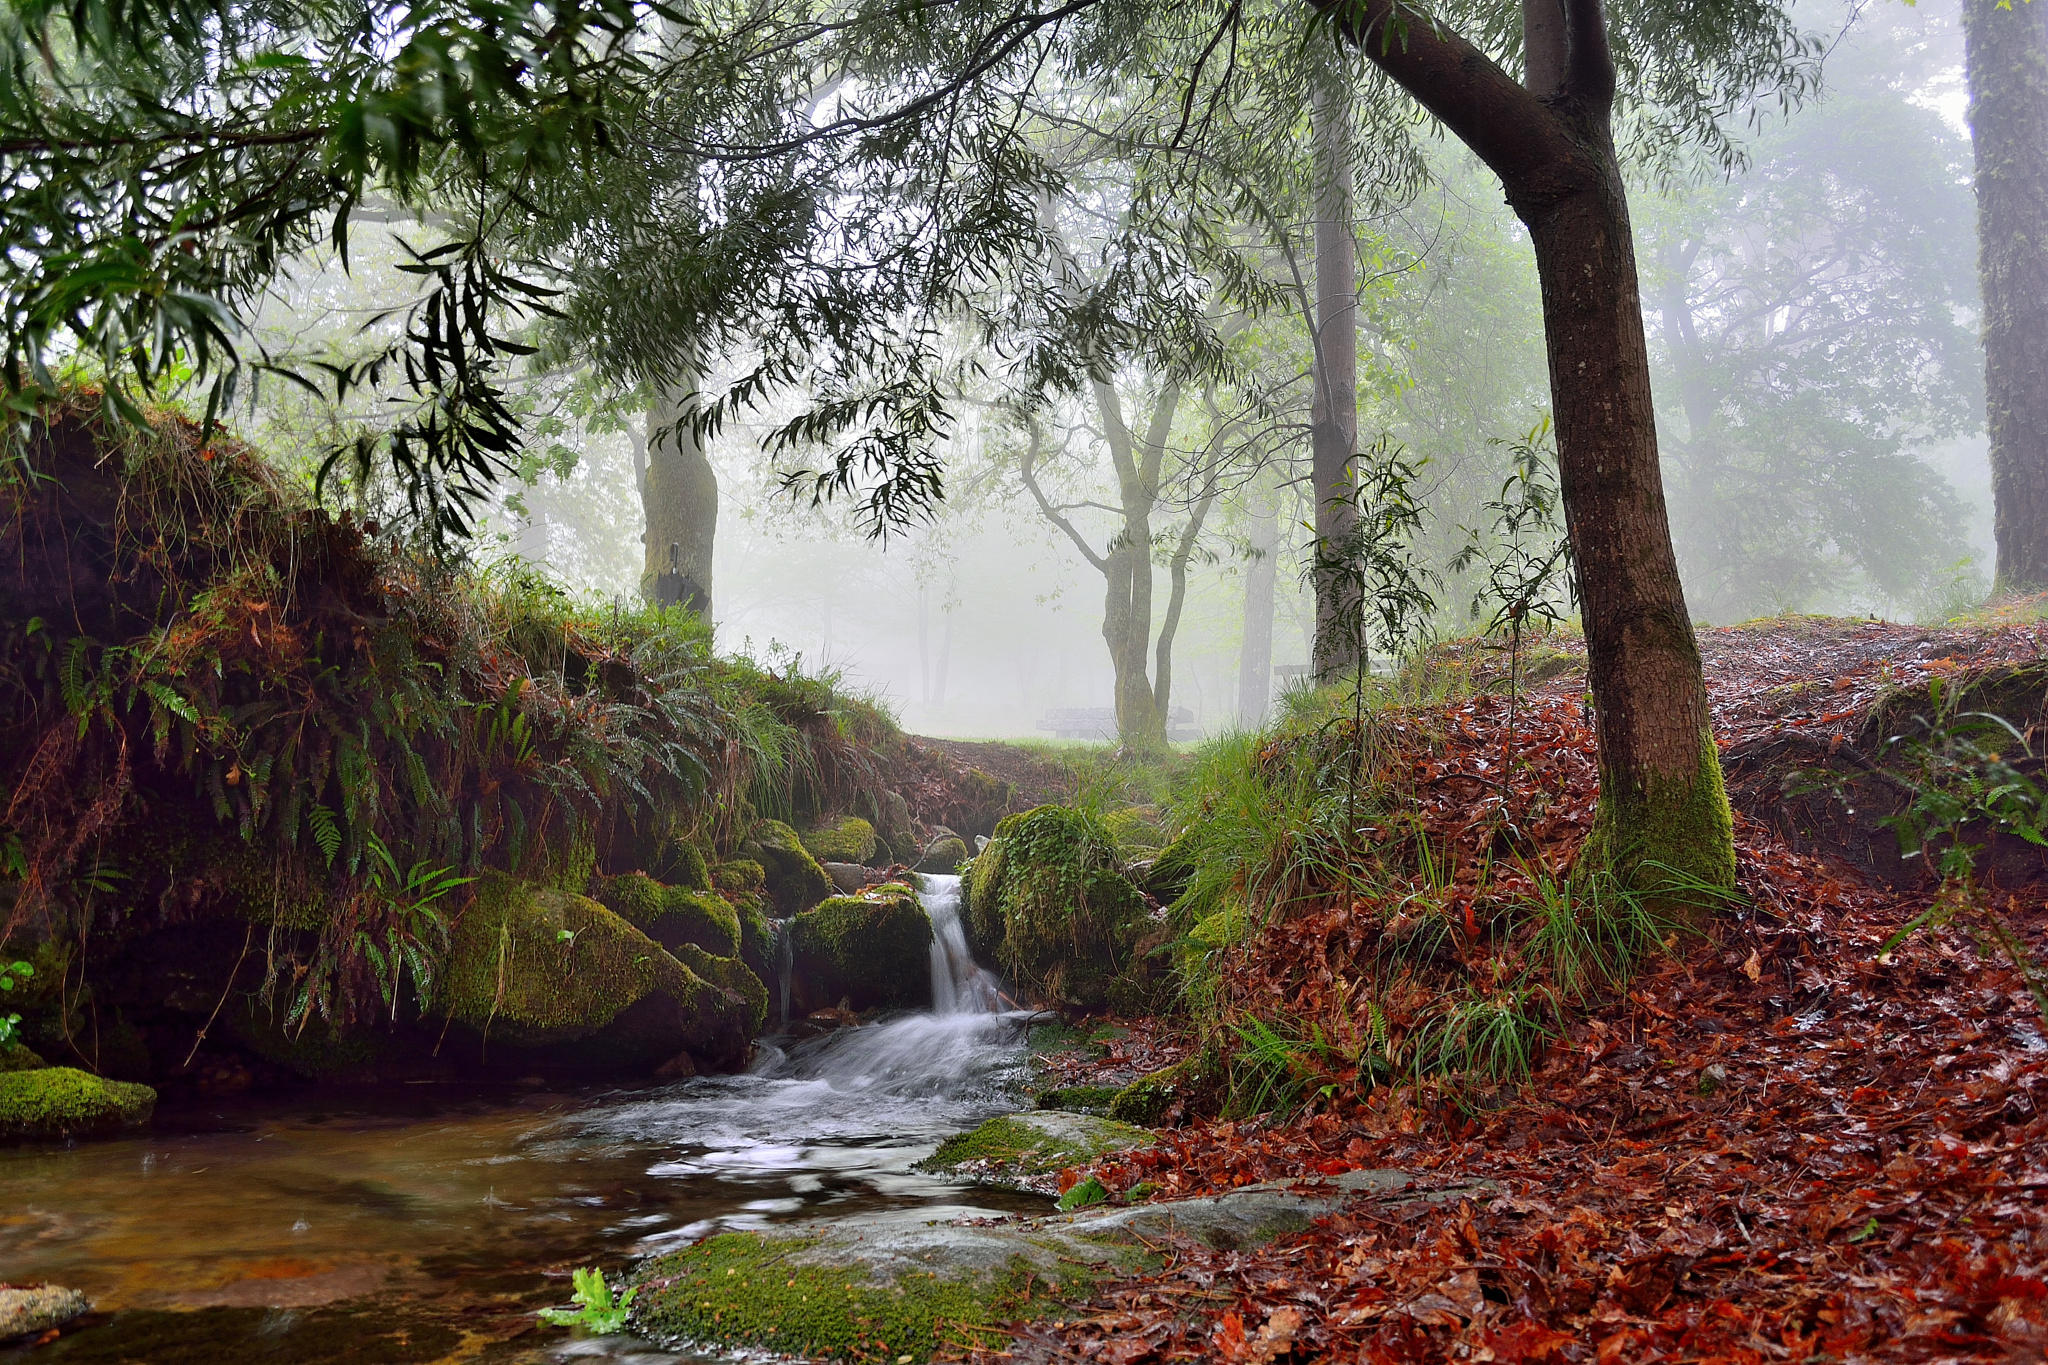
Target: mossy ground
x,y
60,1101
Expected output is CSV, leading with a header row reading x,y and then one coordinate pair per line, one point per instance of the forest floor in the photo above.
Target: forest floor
x,y
1782,1143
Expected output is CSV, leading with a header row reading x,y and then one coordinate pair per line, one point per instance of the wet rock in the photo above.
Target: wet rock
x,y
901,1284
848,877
1028,1151
672,915
868,951
848,840
37,1308
793,878
56,1102
943,855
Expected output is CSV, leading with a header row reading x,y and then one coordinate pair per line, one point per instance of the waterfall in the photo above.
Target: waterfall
x,y
958,985
784,954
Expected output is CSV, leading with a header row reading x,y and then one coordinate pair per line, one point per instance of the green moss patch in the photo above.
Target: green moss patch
x,y
1078,1099
848,840
681,863
872,950
55,1102
672,915
16,1057
794,880
731,974
739,874
1028,1151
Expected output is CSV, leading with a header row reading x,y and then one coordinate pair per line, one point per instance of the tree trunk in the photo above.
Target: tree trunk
x,y
1333,417
1255,651
1662,804
2006,51
679,495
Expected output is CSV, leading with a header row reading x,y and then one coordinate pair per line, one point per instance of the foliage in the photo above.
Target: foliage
x,y
11,972
596,1311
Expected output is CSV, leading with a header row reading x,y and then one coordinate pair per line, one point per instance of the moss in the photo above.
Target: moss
x,y
59,1102
729,973
849,840
870,950
739,874
567,865
681,863
1021,1149
761,1290
793,878
1137,830
1050,897
1220,930
1682,828
1078,1099
16,1057
535,967
672,915
944,856
1193,1085
757,934
317,1051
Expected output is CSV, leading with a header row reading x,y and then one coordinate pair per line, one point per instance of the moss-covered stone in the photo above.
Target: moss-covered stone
x,y
682,863
1220,930
846,840
532,967
1191,1087
1138,830
944,856
1028,1151
733,975
672,915
54,1102
18,1057
871,950
316,1050
794,880
1048,900
738,874
1078,1099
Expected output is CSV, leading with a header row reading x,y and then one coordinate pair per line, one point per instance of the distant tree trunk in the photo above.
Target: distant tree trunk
x,y
1333,416
679,495
531,544
1662,803
2006,51
1255,652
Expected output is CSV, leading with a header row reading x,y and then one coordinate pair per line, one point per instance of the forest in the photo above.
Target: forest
x,y
1047,681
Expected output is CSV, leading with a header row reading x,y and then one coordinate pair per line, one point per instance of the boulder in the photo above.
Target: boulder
x,y
1028,1151
896,1286
681,863
17,1057
871,950
738,874
847,840
943,855
29,1309
672,915
546,972
793,878
1047,900
54,1102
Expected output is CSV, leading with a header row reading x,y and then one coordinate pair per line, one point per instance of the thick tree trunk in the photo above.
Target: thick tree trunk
x,y
1255,647
2007,55
679,495
1333,417
1662,804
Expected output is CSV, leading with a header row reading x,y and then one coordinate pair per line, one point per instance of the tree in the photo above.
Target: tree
x,y
2006,53
679,495
1550,140
1333,423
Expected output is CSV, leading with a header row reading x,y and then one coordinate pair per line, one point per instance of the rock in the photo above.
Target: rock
x,y
794,880
871,950
739,874
18,1057
681,863
943,855
55,1102
1028,1151
848,877
897,830
1078,1099
848,840
1193,1084
901,1284
1049,903
672,915
534,969
28,1309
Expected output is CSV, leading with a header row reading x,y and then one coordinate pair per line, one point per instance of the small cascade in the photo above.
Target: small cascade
x,y
958,985
784,962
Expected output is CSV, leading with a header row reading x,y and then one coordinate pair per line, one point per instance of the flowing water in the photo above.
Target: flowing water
x,y
426,1225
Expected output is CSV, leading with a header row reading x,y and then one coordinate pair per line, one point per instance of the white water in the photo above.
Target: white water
x,y
959,986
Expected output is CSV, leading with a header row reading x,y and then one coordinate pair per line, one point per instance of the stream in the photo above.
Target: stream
x,y
428,1224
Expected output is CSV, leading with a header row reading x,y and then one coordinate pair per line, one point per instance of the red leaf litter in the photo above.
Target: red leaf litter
x,y
1779,1146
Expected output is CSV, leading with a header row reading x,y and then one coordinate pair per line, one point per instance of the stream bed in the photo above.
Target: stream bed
x,y
429,1224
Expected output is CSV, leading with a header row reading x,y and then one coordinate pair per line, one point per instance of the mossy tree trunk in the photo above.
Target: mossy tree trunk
x,y
2006,51
1551,143
679,494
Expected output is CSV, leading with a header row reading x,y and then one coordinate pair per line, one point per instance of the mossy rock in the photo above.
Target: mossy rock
x,y
794,880
682,863
1226,927
738,874
1048,901
54,1102
1078,1099
847,840
672,915
317,1051
1192,1087
1138,830
533,968
18,1057
757,933
871,950
731,974
1028,1151
944,856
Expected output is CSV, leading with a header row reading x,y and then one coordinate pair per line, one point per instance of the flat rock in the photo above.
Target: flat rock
x,y
28,1309
1028,1150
